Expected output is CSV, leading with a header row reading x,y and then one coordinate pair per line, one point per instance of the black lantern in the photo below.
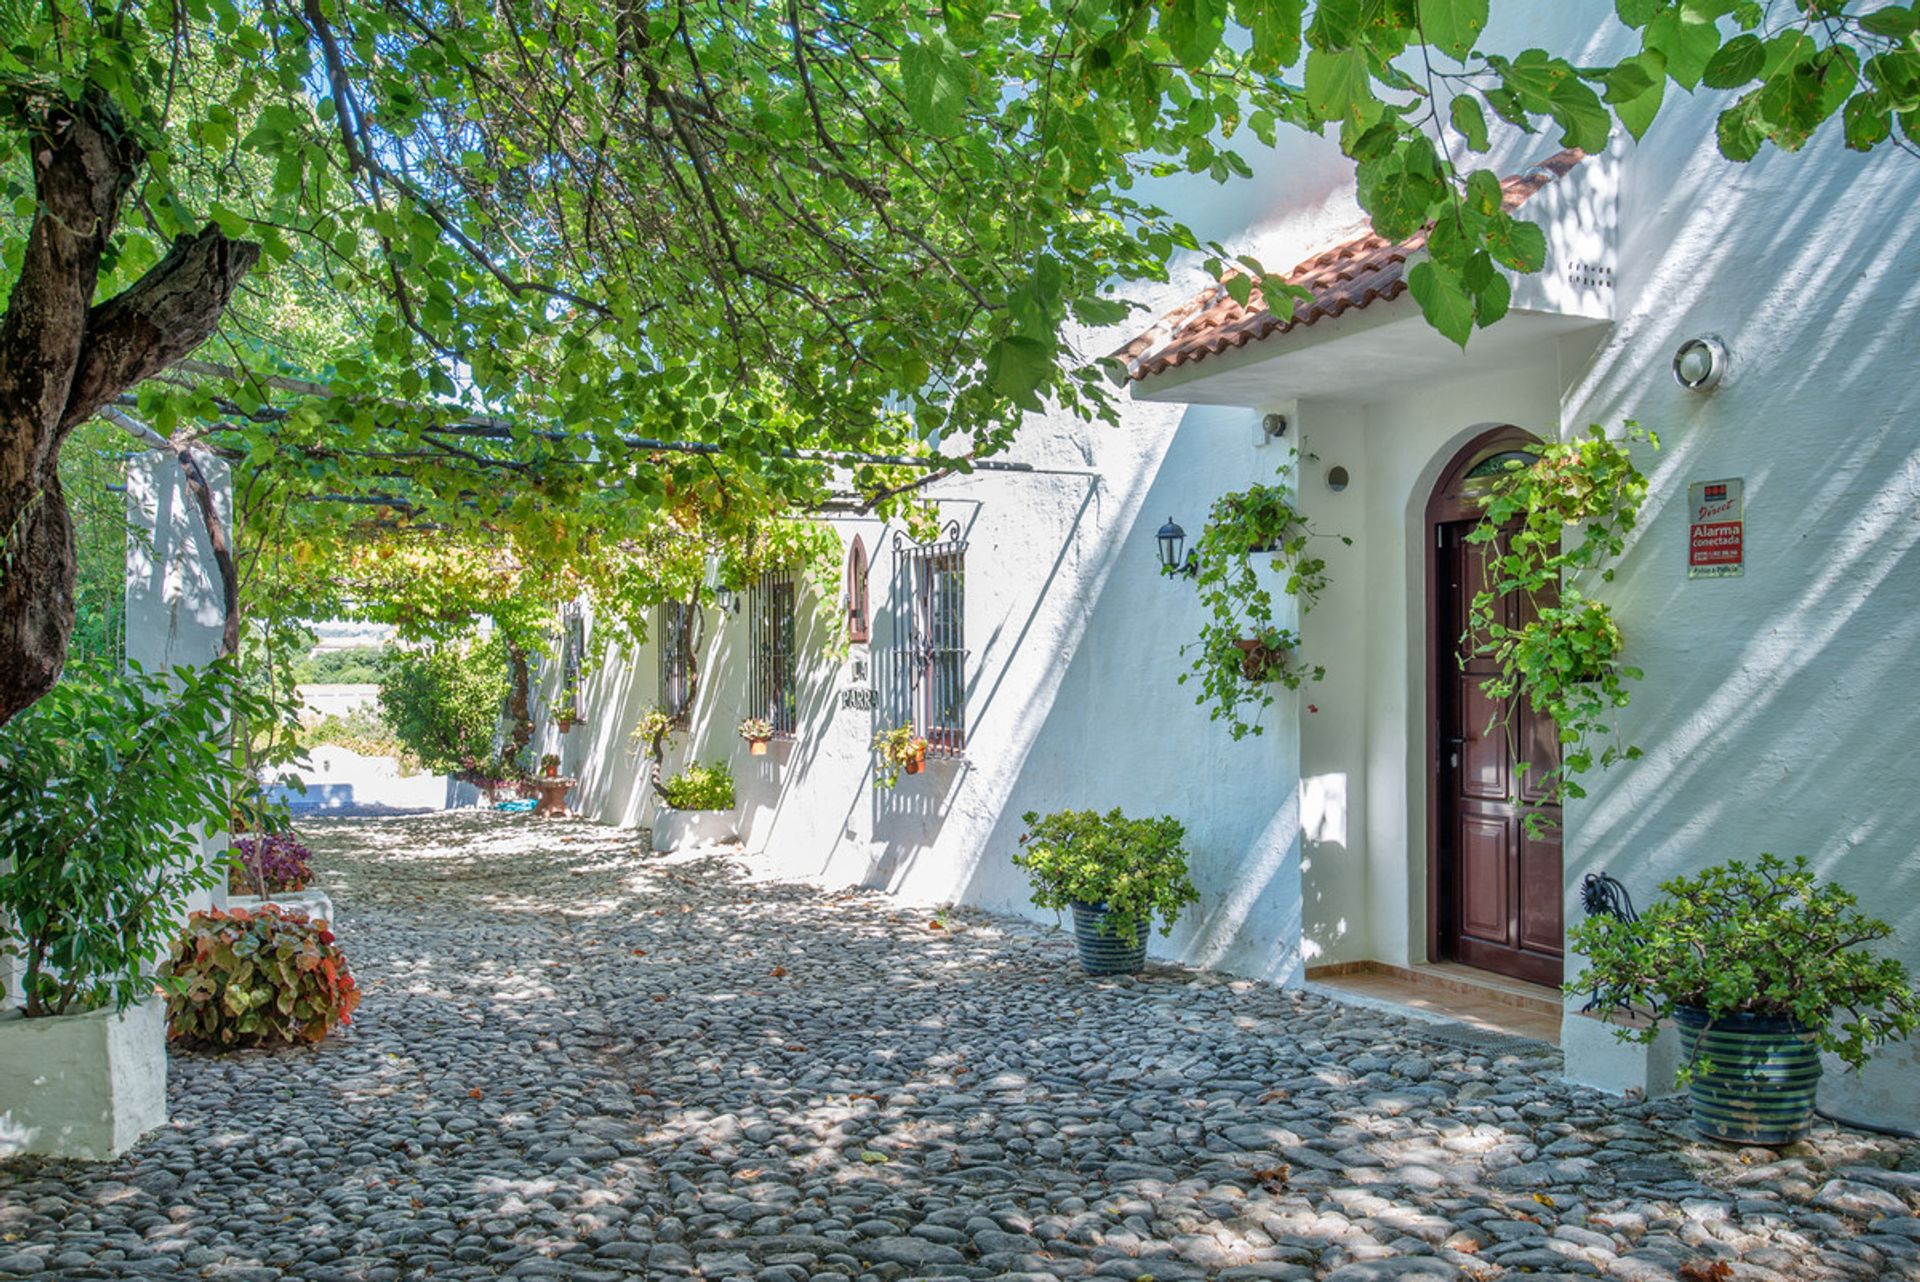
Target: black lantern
x,y
1172,540
727,599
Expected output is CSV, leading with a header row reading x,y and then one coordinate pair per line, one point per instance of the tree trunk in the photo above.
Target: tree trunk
x,y
520,701
62,359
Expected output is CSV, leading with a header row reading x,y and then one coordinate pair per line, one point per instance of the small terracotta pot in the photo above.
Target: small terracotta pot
x,y
914,766
757,747
550,772
1257,658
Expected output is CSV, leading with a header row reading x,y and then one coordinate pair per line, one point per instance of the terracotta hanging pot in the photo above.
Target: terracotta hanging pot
x,y
915,766
1258,659
757,747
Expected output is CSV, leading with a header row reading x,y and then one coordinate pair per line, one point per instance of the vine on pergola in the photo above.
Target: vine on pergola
x,y
507,238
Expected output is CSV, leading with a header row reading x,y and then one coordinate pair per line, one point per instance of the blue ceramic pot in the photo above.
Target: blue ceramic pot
x,y
1103,951
1766,1069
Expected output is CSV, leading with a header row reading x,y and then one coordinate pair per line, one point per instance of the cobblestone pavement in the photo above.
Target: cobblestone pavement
x,y
577,1060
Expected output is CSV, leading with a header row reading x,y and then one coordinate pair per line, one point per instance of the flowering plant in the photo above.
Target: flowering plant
x,y
273,862
898,749
756,728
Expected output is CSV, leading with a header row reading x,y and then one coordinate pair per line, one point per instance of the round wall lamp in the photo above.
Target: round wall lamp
x,y
1700,363
1337,479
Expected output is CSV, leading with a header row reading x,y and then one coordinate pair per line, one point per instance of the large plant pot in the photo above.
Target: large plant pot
x,y
86,1086
314,903
1765,1072
1102,951
684,829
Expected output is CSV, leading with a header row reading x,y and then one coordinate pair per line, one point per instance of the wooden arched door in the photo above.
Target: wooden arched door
x,y
1495,880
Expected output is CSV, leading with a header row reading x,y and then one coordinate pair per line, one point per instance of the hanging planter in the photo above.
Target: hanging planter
x,y
1264,658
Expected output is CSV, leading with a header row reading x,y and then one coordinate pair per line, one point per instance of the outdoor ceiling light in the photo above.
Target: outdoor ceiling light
x,y
1172,540
1700,363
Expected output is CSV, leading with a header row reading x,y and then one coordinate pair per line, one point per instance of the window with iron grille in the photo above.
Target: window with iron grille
x,y
773,686
678,624
859,624
929,653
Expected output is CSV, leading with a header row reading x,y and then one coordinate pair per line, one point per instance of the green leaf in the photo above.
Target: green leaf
x,y
936,81
1517,243
1017,365
1442,300
1193,29
1469,120
1636,114
1868,122
1581,116
1337,85
1736,63
1452,26
1892,22
1687,39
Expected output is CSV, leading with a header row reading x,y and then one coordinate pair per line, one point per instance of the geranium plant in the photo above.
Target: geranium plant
x,y
1242,651
268,864
255,976
899,749
701,787
102,783
1565,657
1761,939
1135,868
550,763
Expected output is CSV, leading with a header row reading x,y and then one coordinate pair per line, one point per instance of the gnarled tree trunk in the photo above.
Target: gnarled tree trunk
x,y
62,358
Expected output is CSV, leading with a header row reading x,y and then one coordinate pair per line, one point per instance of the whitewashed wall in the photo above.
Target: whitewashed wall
x,y
1777,710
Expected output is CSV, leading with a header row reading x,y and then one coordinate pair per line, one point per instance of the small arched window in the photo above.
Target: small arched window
x,y
858,620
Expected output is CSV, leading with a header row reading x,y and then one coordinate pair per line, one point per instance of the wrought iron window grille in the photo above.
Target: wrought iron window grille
x,y
773,686
679,626
927,677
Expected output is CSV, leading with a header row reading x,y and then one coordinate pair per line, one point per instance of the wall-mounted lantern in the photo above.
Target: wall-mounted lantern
x,y
1172,540
1700,363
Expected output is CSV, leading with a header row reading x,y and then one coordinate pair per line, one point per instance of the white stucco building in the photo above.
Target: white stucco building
x,y
1778,706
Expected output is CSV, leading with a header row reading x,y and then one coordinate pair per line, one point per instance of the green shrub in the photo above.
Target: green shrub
x,y
357,665
1767,939
699,787
1137,868
444,703
250,977
100,784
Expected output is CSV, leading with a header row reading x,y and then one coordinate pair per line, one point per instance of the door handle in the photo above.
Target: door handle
x,y
1450,746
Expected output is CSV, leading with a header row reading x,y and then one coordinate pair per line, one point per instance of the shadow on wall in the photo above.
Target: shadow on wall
x,y
1119,730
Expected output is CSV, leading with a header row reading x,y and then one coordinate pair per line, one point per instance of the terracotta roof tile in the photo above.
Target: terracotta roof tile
x,y
1354,274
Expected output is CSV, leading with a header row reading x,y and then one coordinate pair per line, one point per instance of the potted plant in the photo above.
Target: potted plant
x,y
1115,873
901,751
1753,963
758,732
696,807
274,868
103,784
550,765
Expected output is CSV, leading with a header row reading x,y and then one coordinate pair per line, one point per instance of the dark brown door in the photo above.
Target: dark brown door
x,y
1500,876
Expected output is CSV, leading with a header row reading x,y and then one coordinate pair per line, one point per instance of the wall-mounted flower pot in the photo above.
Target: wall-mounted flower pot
x,y
1103,951
757,747
1766,1070
1259,661
82,1086
914,766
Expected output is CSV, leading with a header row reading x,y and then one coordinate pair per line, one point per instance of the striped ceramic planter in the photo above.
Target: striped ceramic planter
x,y
1102,950
1765,1071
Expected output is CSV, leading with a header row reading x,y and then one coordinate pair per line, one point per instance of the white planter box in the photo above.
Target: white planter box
x,y
684,829
314,903
86,1086
1596,1057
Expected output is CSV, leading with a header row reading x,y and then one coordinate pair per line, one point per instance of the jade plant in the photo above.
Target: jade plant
x,y
701,787
1565,655
1763,939
1136,869
1242,650
900,750
251,977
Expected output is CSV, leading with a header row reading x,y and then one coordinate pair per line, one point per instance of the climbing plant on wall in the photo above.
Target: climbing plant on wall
x,y
1242,652
1564,656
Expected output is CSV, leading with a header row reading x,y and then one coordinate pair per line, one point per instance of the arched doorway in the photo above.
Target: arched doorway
x,y
1494,896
